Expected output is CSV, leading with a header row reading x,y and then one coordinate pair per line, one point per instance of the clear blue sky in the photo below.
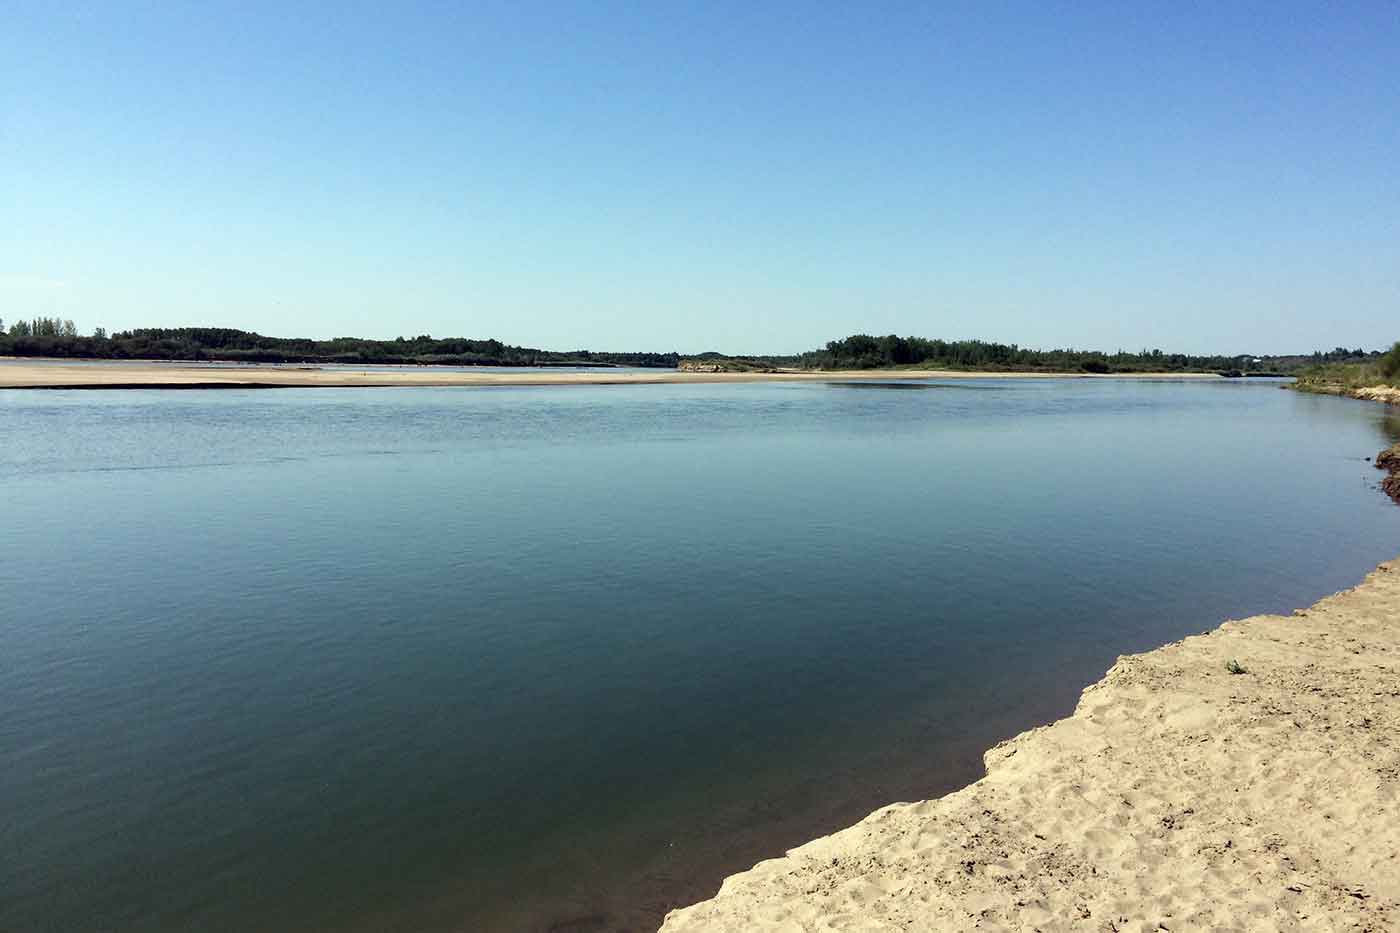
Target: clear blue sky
x,y
748,177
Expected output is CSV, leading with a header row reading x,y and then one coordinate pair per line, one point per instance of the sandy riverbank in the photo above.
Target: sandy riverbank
x,y
1386,395
16,374
1177,797
1389,395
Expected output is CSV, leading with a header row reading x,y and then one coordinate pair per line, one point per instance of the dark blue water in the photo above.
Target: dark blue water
x,y
455,659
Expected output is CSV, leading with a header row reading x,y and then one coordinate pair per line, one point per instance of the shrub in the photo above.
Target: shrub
x,y
1390,364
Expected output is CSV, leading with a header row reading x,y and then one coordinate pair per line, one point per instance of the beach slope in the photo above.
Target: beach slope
x,y
1178,796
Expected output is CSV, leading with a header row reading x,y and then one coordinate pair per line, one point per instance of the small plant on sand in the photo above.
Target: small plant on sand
x,y
1233,666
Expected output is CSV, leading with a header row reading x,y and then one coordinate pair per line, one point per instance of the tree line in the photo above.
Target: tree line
x,y
39,327
53,338
1353,370
863,351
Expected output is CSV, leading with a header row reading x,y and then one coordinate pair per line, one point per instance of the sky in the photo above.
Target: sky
x,y
743,177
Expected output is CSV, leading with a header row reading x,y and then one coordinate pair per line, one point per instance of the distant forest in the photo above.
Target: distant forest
x,y
52,337
862,351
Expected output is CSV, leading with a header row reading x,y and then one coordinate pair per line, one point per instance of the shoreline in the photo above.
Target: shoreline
x,y
1386,395
1177,796
163,375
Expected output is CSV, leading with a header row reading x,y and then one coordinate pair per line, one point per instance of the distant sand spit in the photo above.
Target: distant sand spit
x,y
1178,796
25,375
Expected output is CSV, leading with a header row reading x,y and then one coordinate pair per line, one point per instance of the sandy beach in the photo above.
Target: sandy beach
x,y
1178,796
23,374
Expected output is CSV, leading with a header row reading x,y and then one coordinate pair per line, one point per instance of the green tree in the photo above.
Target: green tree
x,y
1390,364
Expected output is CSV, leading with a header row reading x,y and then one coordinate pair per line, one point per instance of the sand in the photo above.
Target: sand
x,y
18,374
1388,395
1178,796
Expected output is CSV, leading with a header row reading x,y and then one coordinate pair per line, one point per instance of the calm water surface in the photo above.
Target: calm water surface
x,y
561,658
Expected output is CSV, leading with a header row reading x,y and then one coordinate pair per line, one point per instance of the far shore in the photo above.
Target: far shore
x,y
153,374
